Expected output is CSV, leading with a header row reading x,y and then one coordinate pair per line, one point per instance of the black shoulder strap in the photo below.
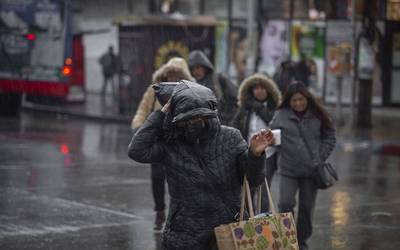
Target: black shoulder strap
x,y
305,141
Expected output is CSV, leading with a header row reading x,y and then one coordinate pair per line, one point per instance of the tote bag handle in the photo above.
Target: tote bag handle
x,y
246,193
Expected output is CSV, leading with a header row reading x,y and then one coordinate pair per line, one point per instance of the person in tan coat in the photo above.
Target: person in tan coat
x,y
174,70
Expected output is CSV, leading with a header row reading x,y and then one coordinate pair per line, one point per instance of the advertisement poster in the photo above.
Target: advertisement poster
x,y
221,47
339,34
308,43
238,44
231,49
273,46
393,10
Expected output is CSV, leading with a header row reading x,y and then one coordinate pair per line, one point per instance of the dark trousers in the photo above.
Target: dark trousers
x,y
307,195
108,79
158,186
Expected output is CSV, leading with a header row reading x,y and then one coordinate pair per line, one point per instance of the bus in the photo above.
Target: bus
x,y
40,56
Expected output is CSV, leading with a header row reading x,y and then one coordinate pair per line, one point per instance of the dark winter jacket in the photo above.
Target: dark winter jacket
x,y
285,75
294,159
248,104
223,88
204,179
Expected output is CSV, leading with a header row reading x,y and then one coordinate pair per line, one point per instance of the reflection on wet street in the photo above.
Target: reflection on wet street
x,y
68,184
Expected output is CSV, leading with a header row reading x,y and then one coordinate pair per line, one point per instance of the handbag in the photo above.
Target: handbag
x,y
270,231
325,175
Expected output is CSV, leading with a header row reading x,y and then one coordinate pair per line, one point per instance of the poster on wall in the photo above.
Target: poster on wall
x,y
308,46
238,43
231,49
339,37
221,47
393,10
274,46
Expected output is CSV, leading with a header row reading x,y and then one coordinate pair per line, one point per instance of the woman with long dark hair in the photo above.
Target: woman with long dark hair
x,y
301,120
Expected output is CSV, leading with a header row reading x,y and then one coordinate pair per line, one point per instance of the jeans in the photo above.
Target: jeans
x,y
307,195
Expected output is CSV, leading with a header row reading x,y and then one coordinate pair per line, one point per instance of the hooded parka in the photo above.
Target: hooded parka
x,y
223,88
204,179
248,104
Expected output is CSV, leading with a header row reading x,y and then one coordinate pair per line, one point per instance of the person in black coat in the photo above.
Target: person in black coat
x,y
226,92
206,163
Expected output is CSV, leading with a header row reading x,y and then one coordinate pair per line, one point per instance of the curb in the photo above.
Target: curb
x,y
58,110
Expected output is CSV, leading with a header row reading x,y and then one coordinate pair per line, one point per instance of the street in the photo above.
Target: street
x,y
68,184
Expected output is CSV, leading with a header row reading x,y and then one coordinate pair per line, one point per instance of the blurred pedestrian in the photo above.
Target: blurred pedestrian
x,y
109,63
175,69
284,75
205,165
303,71
258,99
301,116
225,91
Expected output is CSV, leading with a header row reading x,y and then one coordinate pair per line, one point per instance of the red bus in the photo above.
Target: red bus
x,y
39,54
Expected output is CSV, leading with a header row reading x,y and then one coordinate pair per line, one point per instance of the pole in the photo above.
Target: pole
x,y
291,14
130,6
202,7
366,64
355,58
228,40
339,116
251,54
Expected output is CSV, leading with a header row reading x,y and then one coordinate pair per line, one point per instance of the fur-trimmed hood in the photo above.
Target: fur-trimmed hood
x,y
176,64
274,94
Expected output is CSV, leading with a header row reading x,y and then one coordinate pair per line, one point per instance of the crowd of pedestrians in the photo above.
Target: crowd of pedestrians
x,y
219,132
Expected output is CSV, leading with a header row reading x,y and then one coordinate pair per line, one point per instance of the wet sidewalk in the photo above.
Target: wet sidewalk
x,y
384,134
68,184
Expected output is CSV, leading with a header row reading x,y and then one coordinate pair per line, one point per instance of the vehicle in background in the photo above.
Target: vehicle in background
x,y
39,54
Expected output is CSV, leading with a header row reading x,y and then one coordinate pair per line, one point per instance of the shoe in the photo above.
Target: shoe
x,y
159,222
303,247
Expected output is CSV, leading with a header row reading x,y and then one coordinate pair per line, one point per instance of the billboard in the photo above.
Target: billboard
x,y
274,45
308,41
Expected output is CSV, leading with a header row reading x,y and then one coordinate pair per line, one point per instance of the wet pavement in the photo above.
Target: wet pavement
x,y
68,184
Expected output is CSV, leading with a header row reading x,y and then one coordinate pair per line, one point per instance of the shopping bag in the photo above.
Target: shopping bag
x,y
273,231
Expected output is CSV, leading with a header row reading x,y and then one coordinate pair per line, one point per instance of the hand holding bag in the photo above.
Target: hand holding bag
x,y
274,231
325,174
